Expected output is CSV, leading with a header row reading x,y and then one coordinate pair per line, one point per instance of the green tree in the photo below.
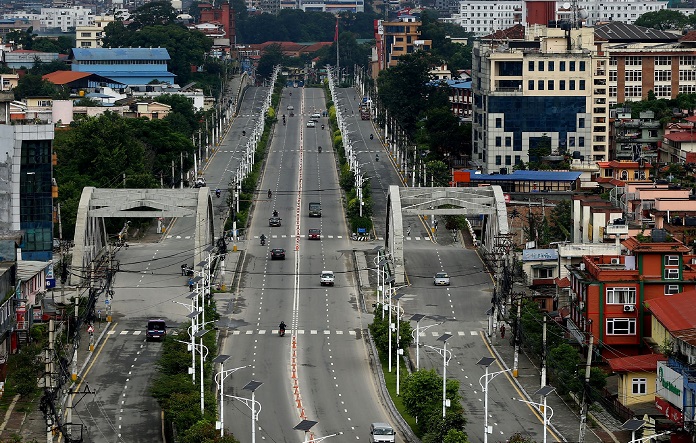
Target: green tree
x,y
183,117
561,220
43,68
152,14
61,45
519,438
438,174
455,436
441,130
663,20
21,39
562,362
421,393
271,57
32,85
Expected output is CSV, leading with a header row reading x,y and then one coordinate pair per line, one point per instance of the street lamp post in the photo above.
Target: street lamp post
x,y
486,362
398,340
306,425
417,318
199,334
543,392
251,404
443,338
220,381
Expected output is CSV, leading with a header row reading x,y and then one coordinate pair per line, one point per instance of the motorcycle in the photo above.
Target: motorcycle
x,y
377,158
243,133
263,241
320,149
372,137
281,332
275,213
322,126
217,193
270,194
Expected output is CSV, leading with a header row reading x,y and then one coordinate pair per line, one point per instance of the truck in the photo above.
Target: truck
x,y
315,209
364,113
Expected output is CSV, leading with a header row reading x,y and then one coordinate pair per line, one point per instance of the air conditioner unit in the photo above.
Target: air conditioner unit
x,y
629,308
615,261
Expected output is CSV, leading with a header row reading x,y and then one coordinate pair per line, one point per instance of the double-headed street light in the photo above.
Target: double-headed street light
x,y
251,404
417,332
543,392
306,425
483,381
220,381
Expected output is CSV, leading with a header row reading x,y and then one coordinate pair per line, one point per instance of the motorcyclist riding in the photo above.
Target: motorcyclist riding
x,y
275,213
217,193
372,136
263,240
270,194
243,133
281,328
376,157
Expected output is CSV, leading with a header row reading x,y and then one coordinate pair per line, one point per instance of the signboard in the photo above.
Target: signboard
x,y
669,385
362,230
50,283
669,410
539,254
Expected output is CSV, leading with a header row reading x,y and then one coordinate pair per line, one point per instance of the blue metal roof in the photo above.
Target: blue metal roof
x,y
455,83
534,176
85,54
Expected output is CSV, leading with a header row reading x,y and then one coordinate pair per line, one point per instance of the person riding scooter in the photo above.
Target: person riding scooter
x,y
243,133
376,157
372,136
263,240
270,194
281,329
275,213
217,193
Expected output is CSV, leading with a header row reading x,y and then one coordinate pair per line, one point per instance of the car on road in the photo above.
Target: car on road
x,y
274,221
278,254
316,116
327,278
314,234
311,124
381,432
156,329
290,108
441,279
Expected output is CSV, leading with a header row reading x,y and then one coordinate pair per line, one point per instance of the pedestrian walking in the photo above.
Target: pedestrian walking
x,y
502,331
183,269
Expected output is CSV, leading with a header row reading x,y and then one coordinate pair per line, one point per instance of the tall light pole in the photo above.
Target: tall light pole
x,y
201,346
417,332
220,381
306,425
483,381
398,340
443,338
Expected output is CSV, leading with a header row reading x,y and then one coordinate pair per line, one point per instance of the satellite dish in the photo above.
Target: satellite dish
x,y
583,14
566,5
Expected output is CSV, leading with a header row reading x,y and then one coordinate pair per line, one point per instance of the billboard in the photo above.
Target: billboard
x,y
669,385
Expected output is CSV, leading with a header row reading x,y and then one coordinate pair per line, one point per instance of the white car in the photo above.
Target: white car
x,y
327,278
290,108
441,279
311,124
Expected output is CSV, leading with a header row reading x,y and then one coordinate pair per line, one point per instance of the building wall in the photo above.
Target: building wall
x,y
625,387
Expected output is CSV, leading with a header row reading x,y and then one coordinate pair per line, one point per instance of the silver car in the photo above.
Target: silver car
x,y
441,279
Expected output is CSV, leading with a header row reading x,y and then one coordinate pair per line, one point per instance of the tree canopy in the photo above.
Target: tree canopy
x,y
152,14
665,19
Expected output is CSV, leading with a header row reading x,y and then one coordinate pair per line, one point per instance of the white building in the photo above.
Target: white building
x,y
91,36
482,17
64,19
332,6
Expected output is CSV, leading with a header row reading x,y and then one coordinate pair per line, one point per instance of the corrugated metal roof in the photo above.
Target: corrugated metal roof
x,y
676,312
636,363
623,32
27,269
86,54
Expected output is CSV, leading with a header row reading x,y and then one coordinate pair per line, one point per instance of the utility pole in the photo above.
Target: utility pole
x,y
584,403
516,361
543,354
172,174
181,171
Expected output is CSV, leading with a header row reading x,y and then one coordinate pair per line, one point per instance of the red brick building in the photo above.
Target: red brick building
x,y
607,293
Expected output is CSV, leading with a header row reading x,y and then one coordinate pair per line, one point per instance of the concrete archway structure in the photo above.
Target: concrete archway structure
x,y
97,204
469,202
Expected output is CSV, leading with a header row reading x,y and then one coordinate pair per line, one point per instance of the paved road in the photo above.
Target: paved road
x,y
148,283
319,370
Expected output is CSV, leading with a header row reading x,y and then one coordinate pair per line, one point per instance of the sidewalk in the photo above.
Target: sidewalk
x,y
601,425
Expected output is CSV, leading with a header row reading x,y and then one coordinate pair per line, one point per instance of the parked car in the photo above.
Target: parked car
x,y
156,329
274,221
441,279
327,278
314,234
278,254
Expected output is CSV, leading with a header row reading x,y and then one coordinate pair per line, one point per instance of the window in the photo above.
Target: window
x,y
672,289
543,272
582,66
572,66
498,160
518,160
639,386
689,75
621,296
671,260
621,326
581,122
571,85
663,76
613,76
633,61
582,85
541,65
671,274
561,85
508,160
663,60
612,61
498,122
633,91
498,141
551,66
540,85
508,142
561,66
530,85
530,65
571,142
634,76
687,60
550,85
581,142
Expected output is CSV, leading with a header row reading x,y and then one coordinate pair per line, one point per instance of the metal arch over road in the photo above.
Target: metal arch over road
x,y
488,201
96,204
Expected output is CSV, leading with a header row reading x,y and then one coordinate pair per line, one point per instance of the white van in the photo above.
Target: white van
x,y
380,432
316,115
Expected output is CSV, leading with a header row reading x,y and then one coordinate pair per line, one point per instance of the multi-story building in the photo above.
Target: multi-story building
x,y
608,293
91,36
26,182
396,39
635,138
528,88
129,66
483,17
332,6
223,15
64,19
25,58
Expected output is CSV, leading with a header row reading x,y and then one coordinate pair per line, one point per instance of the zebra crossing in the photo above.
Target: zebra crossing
x,y
350,332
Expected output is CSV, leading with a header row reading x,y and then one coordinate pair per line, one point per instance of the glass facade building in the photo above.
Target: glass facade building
x,y
36,199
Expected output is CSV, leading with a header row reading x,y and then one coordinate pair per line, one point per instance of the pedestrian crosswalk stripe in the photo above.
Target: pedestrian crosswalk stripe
x,y
339,332
123,333
137,332
460,333
474,332
262,331
298,332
